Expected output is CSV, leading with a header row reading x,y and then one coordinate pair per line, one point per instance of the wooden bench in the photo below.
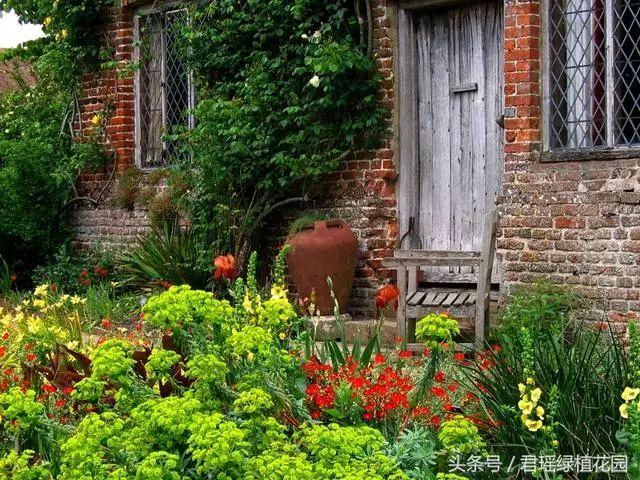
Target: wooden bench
x,y
463,295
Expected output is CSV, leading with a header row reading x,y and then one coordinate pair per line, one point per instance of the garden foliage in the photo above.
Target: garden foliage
x,y
286,90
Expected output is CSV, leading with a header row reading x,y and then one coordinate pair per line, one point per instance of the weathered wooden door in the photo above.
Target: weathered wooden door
x,y
450,124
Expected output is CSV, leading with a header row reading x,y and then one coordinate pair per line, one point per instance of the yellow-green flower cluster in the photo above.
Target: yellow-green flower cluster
x,y
435,329
532,414
253,401
250,342
629,395
459,435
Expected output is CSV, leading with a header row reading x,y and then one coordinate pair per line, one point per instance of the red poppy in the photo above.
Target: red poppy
x,y
448,407
67,390
367,417
225,267
453,387
405,354
439,376
435,421
106,323
31,357
61,403
458,356
316,414
5,335
386,295
3,351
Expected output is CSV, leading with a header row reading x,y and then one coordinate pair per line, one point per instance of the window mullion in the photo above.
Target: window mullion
x,y
163,82
609,69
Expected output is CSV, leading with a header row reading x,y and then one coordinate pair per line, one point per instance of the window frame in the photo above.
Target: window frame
x,y
604,152
165,8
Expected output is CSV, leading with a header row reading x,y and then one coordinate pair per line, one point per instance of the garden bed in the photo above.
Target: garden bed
x,y
233,386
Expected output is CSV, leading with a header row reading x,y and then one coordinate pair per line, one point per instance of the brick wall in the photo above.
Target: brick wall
x,y
573,223
363,192
110,96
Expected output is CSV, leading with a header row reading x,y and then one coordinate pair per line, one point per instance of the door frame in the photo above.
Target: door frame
x,y
408,117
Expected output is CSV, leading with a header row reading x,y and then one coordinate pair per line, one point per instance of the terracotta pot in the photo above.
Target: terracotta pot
x,y
321,250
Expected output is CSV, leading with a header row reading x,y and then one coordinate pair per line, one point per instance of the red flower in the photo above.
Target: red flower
x,y
31,357
13,277
225,267
100,271
435,421
367,417
316,414
49,389
378,359
84,273
67,390
438,391
5,335
453,387
439,377
448,407
458,356
404,354
386,295
3,351
61,403
422,411
106,323
53,287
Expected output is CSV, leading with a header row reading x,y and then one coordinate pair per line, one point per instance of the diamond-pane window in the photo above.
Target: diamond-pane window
x,y
164,88
593,74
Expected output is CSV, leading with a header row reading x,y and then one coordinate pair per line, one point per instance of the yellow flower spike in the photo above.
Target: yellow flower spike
x,y
630,394
530,381
525,406
533,425
47,21
624,410
522,388
540,413
536,393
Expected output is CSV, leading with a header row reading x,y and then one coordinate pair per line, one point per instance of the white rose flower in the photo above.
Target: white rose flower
x,y
315,81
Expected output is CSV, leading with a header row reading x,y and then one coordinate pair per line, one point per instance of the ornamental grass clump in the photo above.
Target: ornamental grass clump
x,y
570,372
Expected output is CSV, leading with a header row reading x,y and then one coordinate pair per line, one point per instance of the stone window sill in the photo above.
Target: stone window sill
x,y
591,154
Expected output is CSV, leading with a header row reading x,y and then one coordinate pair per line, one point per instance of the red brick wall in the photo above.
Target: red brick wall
x,y
111,96
573,223
363,193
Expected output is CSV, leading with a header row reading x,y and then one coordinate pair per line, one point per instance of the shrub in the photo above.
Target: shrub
x,y
39,163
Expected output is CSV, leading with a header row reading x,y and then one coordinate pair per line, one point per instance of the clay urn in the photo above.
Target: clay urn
x,y
320,250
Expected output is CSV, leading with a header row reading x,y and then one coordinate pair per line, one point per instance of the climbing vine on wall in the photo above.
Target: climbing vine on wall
x,y
287,91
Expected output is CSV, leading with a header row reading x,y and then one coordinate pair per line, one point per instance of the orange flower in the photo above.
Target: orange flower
x,y
386,295
225,267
